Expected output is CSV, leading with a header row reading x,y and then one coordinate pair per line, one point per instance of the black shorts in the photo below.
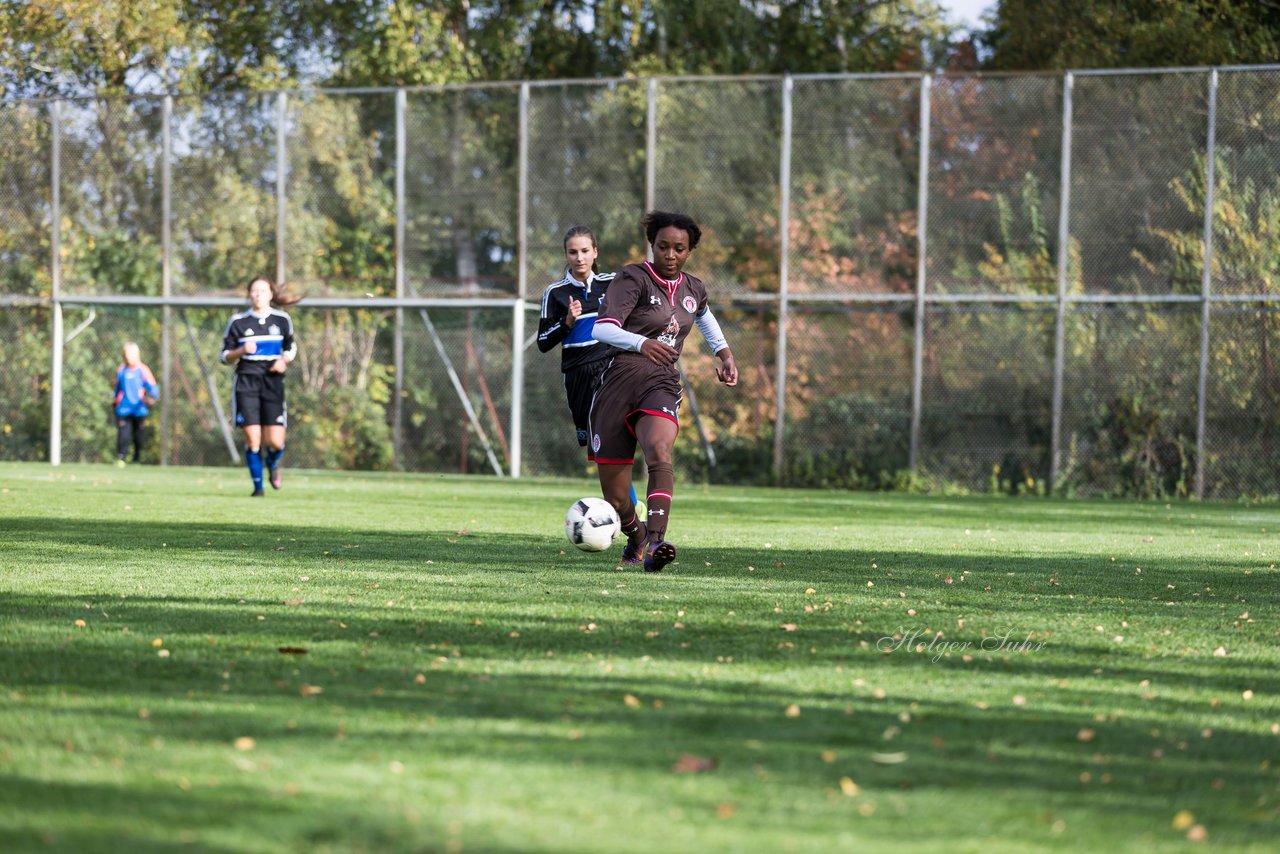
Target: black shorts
x,y
258,399
632,387
580,386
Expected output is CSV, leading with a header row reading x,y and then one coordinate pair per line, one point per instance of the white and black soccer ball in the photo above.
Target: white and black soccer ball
x,y
592,524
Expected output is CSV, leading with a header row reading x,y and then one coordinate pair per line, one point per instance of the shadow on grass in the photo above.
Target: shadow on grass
x,y
501,602
222,817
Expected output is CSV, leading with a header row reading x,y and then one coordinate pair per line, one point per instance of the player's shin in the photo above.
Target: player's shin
x,y
661,484
253,458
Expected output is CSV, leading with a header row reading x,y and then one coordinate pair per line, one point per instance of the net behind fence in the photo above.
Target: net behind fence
x,y
986,353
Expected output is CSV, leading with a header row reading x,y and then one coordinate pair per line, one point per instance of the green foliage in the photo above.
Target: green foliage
x,y
24,384
120,263
1138,452
1033,34
847,441
77,47
342,428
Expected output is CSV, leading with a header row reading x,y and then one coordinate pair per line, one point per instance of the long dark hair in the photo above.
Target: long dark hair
x,y
655,221
280,294
583,231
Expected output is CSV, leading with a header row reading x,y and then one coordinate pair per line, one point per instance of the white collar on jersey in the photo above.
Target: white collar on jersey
x,y
570,280
670,283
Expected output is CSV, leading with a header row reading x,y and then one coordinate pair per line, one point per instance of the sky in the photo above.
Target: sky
x,y
967,13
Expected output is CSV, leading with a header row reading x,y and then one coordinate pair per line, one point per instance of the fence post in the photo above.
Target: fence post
x,y
55,287
522,275
922,225
1064,260
651,145
784,272
1206,282
397,405
282,166
166,283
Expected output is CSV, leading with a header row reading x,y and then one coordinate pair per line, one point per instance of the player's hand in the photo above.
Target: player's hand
x,y
575,311
658,353
279,366
727,371
249,347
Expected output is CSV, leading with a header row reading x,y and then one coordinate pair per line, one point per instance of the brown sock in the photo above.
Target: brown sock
x,y
633,527
662,483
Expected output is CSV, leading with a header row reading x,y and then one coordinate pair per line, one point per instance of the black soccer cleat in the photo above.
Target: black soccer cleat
x,y
277,479
257,493
658,556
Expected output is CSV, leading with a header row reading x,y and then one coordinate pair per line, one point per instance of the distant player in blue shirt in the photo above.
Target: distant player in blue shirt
x,y
136,387
259,342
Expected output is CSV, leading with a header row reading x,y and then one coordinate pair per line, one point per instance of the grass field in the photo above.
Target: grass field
x,y
421,663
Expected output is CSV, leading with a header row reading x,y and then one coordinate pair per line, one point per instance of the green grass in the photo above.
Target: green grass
x,y
472,683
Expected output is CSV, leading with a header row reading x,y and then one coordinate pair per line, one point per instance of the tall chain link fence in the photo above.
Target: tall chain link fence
x,y
1022,283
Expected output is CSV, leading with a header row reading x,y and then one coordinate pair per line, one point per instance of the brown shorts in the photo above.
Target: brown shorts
x,y
631,388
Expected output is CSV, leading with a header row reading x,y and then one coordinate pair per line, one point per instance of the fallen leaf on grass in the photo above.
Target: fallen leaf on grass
x,y
690,764
1198,833
889,758
793,711
1183,819
725,810
294,602
244,744
788,627
632,701
849,787
291,650
310,690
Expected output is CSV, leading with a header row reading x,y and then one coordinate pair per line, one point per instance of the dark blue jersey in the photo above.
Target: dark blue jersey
x,y
577,347
272,334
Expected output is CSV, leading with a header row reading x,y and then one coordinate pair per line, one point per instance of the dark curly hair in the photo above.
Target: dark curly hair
x,y
655,221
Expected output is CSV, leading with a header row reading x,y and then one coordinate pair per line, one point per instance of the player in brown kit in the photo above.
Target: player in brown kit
x,y
647,313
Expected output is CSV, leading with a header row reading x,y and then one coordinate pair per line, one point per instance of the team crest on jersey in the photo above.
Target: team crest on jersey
x,y
275,330
689,304
595,443
669,334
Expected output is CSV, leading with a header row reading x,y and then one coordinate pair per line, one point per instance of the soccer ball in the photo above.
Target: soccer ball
x,y
591,524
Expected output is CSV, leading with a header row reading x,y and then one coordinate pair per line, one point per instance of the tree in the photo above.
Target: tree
x,y
1059,34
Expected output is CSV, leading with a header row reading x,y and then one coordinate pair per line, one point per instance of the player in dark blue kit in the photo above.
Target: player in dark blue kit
x,y
259,342
569,309
568,313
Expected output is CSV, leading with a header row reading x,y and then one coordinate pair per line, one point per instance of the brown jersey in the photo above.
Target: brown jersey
x,y
641,301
